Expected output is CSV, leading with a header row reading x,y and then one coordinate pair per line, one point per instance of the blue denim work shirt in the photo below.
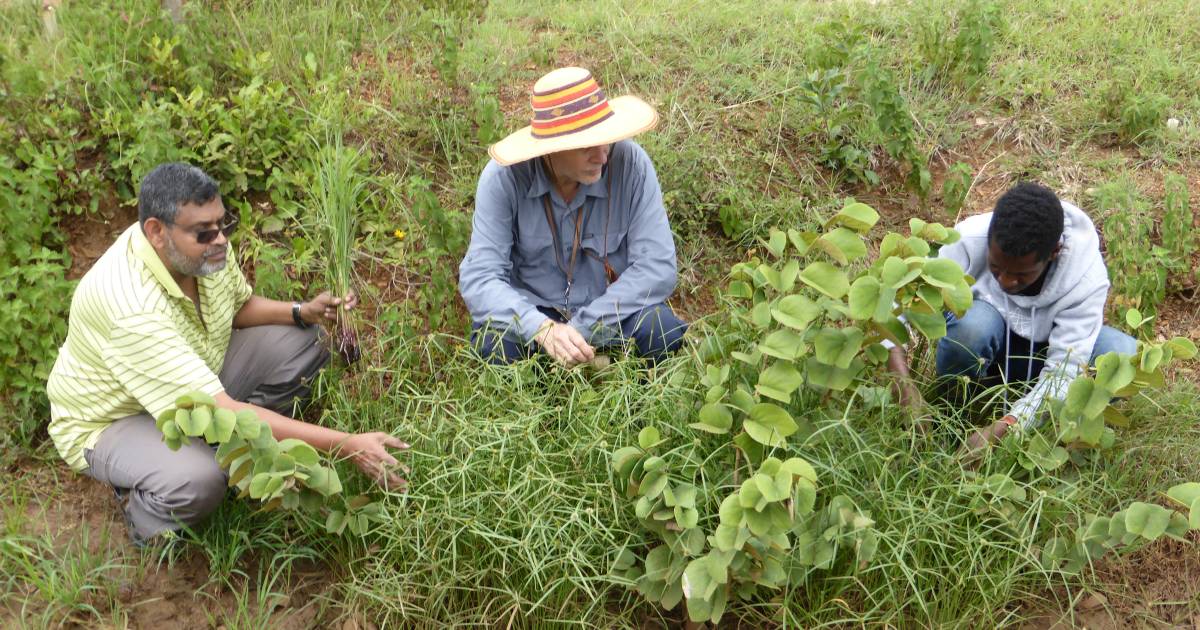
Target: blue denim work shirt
x,y
510,268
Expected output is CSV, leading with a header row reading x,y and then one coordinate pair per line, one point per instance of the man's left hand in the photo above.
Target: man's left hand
x,y
324,307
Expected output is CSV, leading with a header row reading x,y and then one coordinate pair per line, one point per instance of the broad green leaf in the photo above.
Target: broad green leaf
x,y
892,329
654,463
748,445
776,243
686,517
857,216
958,298
771,275
1179,525
751,358
658,562
896,272
335,522
931,325
223,423
685,495
731,511
724,537
714,418
917,246
770,424
652,484
805,497
943,273
259,485
778,382
1185,494
842,245
1114,371
283,463
837,346
760,523
760,314
231,449
648,437
1151,357
301,451
739,289
742,399
750,497
826,278
769,489
195,422
1183,348
796,311
1147,520
800,468
828,376
1133,318
1114,417
1084,397
697,583
788,275
783,344
864,298
801,240
624,458
172,435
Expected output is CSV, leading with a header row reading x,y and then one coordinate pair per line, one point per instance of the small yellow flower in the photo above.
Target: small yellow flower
x,y
400,234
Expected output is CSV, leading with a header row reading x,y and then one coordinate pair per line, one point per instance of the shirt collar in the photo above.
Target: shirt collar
x,y
540,183
141,248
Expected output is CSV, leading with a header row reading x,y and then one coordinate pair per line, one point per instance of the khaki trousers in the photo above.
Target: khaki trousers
x,y
161,489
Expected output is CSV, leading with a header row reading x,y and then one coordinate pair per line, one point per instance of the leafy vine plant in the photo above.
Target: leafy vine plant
x,y
288,474
817,314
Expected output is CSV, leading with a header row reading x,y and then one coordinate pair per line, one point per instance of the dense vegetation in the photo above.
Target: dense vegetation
x,y
774,113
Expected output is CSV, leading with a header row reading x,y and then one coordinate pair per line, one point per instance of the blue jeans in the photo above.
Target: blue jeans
x,y
975,346
655,332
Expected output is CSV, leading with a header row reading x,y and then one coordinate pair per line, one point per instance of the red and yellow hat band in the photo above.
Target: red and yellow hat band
x,y
569,108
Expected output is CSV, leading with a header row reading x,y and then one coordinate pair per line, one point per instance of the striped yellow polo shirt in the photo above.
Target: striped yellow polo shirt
x,y
135,342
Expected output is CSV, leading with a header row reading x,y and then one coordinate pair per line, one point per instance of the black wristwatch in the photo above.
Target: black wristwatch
x,y
296,316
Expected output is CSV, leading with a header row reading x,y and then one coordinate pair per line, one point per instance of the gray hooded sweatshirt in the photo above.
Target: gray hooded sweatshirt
x,y
1068,312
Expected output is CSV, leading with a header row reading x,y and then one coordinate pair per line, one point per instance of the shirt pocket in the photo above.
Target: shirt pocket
x,y
536,269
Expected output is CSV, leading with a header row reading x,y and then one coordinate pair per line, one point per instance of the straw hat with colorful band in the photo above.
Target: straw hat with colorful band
x,y
570,111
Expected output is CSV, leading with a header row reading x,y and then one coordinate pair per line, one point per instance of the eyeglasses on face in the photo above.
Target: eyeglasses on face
x,y
204,237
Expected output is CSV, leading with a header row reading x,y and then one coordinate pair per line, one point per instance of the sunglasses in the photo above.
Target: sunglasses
x,y
204,237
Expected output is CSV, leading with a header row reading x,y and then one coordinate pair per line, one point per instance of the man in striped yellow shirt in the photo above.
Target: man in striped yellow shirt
x,y
161,313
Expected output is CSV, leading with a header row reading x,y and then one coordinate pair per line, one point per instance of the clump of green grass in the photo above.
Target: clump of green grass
x,y
339,193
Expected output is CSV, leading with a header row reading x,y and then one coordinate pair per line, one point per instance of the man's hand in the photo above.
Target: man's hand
x,y
369,452
564,344
905,389
978,442
324,307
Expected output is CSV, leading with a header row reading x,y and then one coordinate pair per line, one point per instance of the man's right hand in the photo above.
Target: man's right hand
x,y
564,344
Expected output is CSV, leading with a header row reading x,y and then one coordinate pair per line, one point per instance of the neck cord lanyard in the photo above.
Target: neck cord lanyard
x,y
569,270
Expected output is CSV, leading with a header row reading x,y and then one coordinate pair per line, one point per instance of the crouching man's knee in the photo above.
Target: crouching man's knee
x,y
183,496
656,331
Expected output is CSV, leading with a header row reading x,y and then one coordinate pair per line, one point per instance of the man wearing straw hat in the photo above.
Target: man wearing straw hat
x,y
570,248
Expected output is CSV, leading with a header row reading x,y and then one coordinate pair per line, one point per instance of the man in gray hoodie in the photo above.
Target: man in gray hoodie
x,y
1038,310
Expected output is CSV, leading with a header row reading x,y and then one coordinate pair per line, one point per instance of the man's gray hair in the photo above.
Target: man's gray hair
x,y
170,185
